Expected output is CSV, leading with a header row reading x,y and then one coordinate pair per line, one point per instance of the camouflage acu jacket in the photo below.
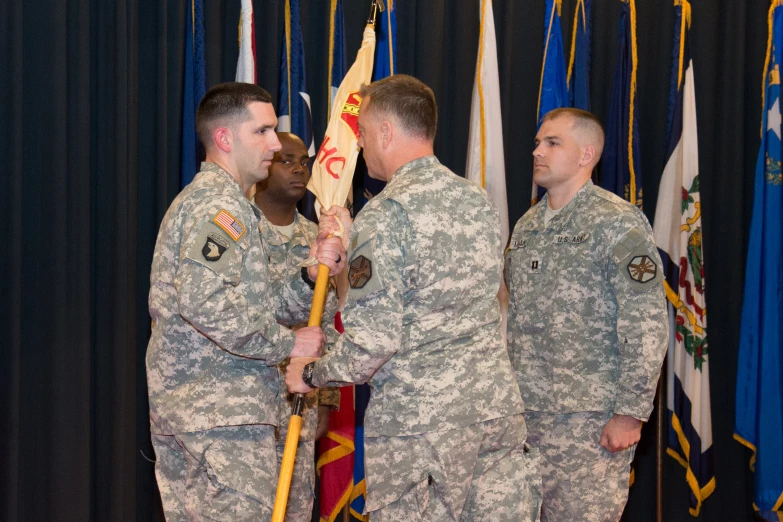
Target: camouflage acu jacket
x,y
422,320
215,341
284,256
587,325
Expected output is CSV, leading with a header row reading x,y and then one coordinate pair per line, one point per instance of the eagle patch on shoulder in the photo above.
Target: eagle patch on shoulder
x,y
360,272
214,247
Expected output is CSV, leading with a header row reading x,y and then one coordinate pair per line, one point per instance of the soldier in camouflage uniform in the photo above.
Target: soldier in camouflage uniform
x,y
444,434
288,237
215,344
587,324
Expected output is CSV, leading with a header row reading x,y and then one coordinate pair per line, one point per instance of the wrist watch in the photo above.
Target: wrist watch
x,y
306,278
307,374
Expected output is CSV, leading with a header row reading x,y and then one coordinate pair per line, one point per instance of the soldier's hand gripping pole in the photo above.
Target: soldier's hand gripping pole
x,y
295,423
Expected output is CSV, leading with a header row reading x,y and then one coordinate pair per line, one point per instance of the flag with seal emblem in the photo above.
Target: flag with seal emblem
x,y
678,235
759,407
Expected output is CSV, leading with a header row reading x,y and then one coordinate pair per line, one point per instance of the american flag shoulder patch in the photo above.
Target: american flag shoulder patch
x,y
227,222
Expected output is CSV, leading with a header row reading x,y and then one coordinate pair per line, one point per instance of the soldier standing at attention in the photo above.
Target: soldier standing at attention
x,y
444,433
587,324
288,236
215,345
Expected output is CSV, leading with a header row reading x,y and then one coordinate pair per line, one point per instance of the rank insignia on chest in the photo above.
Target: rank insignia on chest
x,y
642,269
214,247
360,272
534,266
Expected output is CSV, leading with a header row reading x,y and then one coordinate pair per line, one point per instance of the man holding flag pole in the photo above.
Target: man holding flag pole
x,y
444,434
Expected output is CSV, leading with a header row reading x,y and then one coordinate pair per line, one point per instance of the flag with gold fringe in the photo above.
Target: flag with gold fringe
x,y
678,236
246,63
759,406
621,163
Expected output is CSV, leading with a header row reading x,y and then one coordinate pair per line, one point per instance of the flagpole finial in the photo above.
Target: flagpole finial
x,y
375,7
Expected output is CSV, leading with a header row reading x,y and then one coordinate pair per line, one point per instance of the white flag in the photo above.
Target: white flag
x,y
246,64
486,163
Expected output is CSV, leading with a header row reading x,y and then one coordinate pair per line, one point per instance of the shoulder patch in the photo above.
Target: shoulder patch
x,y
214,247
642,269
360,272
229,223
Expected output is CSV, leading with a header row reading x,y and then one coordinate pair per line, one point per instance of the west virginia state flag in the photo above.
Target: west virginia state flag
x,y
678,235
336,159
759,405
553,88
621,164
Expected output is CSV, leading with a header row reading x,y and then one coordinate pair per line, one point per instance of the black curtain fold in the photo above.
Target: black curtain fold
x,y
91,113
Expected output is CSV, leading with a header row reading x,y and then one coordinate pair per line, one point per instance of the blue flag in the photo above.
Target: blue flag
x,y
193,89
678,235
553,88
621,165
579,62
759,408
293,103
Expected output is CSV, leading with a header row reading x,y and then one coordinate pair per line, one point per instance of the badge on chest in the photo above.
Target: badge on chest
x,y
534,266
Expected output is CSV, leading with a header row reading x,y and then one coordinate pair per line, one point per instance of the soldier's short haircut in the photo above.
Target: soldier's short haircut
x,y
406,98
226,104
584,122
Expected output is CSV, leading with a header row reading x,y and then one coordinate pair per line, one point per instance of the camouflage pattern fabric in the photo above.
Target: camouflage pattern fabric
x,y
587,325
422,325
284,256
215,341
302,492
480,472
422,320
222,474
581,480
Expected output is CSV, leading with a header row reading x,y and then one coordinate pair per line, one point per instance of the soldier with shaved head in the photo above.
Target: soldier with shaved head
x,y
587,325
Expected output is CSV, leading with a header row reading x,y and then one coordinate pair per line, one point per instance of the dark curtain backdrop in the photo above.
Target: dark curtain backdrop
x,y
90,112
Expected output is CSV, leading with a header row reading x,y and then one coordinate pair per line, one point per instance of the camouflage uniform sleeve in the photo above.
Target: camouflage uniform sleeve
x,y
373,311
636,277
329,397
212,295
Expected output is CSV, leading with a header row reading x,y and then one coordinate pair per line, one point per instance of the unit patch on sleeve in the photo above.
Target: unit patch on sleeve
x,y
227,222
360,272
642,269
214,247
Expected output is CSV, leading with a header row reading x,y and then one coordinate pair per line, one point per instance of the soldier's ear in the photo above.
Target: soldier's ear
x,y
588,154
386,133
221,137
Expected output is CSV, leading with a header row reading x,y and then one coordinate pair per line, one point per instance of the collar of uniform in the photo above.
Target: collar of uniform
x,y
411,166
221,175
275,238
559,221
